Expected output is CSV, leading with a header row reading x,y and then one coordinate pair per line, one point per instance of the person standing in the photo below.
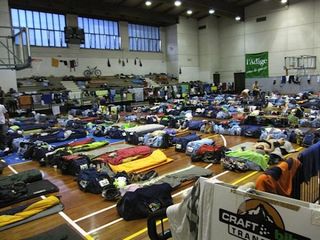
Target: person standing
x,y
4,117
255,90
1,95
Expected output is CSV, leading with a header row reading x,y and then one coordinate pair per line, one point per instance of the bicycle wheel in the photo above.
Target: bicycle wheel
x,y
97,72
87,73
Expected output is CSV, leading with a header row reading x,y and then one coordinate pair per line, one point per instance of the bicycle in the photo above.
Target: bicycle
x,y
92,71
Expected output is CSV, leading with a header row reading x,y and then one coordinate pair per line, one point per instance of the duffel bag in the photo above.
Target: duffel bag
x,y
181,142
73,164
90,180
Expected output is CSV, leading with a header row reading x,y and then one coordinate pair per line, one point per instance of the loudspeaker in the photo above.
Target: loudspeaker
x,y
74,35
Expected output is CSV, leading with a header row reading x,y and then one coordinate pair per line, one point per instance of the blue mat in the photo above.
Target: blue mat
x,y
14,158
97,139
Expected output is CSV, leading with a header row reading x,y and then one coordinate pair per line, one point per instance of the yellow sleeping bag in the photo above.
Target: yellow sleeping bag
x,y
30,211
157,158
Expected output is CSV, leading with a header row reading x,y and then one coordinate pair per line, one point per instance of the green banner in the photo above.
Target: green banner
x,y
257,65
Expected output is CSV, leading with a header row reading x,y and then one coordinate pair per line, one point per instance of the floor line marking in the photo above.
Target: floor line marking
x,y
105,226
174,195
244,178
94,213
113,206
120,219
12,169
63,215
143,230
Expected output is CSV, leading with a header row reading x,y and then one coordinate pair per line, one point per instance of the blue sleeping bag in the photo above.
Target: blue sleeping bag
x,y
251,131
181,142
195,125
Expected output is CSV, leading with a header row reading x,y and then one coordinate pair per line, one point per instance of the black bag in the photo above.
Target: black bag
x,y
144,201
90,180
134,138
116,132
73,164
56,158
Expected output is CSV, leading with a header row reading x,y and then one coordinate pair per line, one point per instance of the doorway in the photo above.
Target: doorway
x,y
239,81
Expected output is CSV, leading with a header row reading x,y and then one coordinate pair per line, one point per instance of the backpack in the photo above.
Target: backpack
x,y
74,124
144,201
116,132
134,138
73,164
251,131
151,120
181,142
310,139
90,180
100,131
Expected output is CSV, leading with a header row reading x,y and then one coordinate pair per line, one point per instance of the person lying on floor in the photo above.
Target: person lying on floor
x,y
276,148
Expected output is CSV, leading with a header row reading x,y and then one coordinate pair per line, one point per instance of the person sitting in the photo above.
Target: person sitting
x,y
245,93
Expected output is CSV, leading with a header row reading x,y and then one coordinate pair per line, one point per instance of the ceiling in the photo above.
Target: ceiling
x,y
161,12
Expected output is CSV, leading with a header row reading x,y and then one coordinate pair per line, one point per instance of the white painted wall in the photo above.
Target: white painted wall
x,y
172,50
289,31
7,77
208,48
188,49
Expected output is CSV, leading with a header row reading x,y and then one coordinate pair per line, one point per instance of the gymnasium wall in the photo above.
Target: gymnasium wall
x,y
188,53
155,62
208,47
288,31
172,50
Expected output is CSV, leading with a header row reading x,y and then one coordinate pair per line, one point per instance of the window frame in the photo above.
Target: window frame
x,y
97,36
144,38
40,31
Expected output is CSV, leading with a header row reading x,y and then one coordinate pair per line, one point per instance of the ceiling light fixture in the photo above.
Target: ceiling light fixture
x,y
189,12
148,3
237,18
284,1
177,3
211,11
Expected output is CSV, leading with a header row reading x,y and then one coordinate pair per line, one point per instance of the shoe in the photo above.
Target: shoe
x,y
149,175
111,193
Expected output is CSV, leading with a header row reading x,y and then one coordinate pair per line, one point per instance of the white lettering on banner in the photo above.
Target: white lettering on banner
x,y
235,220
243,234
257,61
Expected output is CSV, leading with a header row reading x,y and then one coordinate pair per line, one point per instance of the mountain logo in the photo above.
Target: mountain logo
x,y
257,220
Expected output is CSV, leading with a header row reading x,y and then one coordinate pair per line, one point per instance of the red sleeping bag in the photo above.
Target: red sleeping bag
x,y
88,119
80,142
116,157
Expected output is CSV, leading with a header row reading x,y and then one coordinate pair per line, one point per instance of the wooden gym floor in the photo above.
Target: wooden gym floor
x,y
95,218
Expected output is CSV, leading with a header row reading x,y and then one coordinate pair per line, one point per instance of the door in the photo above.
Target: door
x,y
216,79
239,81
